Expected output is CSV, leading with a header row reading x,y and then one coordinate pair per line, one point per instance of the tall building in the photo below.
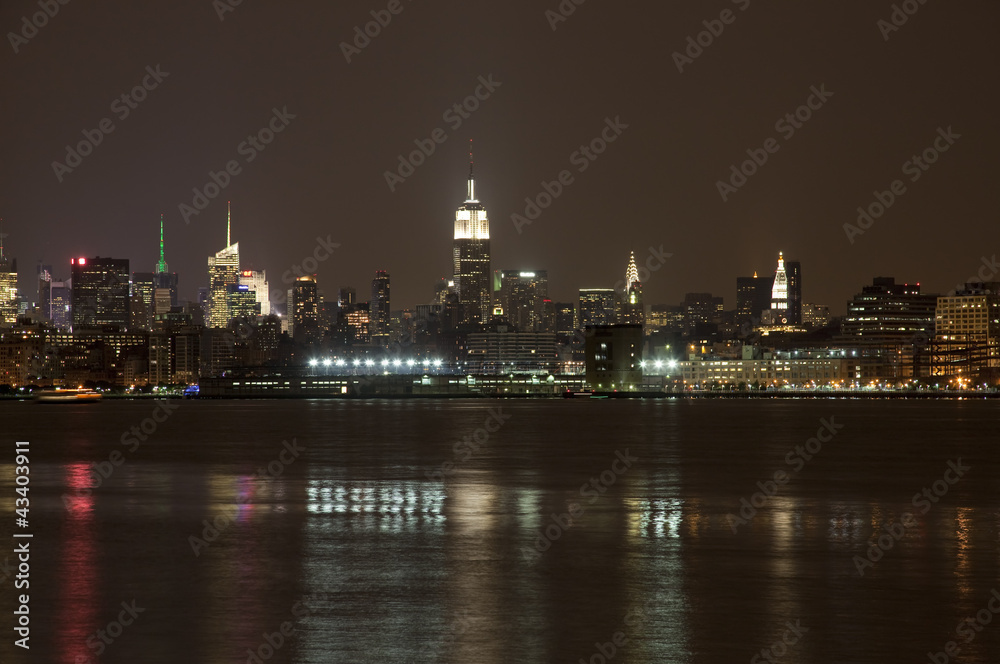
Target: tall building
x,y
967,334
753,298
522,296
597,307
304,315
164,278
61,304
632,312
471,254
380,312
779,295
701,309
8,288
44,302
223,272
256,281
100,293
793,273
892,324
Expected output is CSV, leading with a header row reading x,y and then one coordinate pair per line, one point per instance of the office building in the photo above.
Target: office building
x,y
597,307
613,357
471,256
753,298
631,310
100,295
256,281
522,296
380,309
223,272
304,317
967,335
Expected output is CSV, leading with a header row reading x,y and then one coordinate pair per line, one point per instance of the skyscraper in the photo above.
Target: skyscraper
x,y
164,278
597,306
257,281
100,292
522,296
753,298
223,272
304,315
793,269
380,312
778,313
631,312
471,253
8,287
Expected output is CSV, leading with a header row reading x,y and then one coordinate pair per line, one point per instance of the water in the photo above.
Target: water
x,y
366,555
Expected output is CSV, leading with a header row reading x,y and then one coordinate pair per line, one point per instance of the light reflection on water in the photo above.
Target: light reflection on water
x,y
410,569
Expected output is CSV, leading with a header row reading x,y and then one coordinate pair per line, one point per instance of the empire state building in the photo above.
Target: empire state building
x,y
471,252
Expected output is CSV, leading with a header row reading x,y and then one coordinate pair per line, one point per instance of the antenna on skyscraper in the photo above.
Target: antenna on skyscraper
x,y
229,220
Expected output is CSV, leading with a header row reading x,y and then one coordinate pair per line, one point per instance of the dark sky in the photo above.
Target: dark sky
x,y
655,185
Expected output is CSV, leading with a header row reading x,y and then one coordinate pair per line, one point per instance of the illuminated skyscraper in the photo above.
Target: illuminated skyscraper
x,y
223,272
793,270
522,296
631,312
257,281
164,278
471,253
8,287
380,309
304,314
100,293
597,307
778,313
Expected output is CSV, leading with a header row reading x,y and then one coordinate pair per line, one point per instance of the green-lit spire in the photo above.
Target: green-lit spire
x,y
161,265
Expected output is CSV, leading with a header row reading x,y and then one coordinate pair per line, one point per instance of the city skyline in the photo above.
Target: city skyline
x,y
656,184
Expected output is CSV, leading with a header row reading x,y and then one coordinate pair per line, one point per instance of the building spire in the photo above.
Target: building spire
x,y
161,266
631,273
1,238
229,221
472,177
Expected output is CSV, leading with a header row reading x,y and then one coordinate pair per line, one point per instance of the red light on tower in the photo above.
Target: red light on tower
x,y
83,261
72,261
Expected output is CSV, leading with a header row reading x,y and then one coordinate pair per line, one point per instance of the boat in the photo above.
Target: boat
x,y
60,395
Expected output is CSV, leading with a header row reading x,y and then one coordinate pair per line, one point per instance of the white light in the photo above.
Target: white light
x,y
410,362
385,363
658,364
397,362
672,364
327,362
340,362
369,362
437,363
357,363
313,363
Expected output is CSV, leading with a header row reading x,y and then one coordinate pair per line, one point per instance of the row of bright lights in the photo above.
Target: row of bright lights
x,y
340,362
658,364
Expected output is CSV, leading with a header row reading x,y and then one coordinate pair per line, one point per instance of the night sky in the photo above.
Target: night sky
x,y
655,185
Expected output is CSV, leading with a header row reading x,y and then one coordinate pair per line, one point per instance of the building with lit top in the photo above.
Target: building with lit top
x,y
471,256
304,314
256,282
8,288
100,293
631,309
522,297
223,272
